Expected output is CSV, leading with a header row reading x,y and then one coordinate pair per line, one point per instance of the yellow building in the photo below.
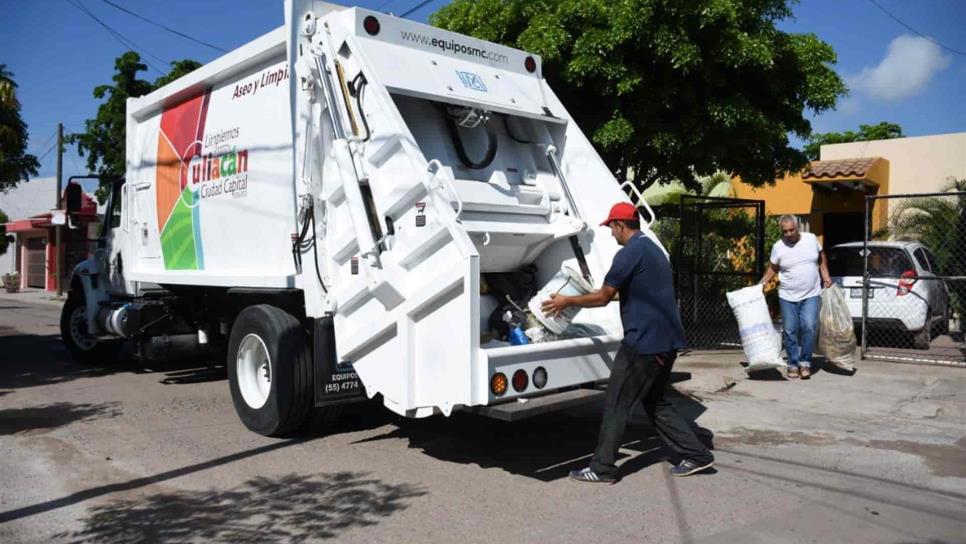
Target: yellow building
x,y
828,197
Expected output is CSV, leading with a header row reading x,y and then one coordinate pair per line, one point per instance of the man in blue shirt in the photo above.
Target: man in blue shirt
x,y
641,275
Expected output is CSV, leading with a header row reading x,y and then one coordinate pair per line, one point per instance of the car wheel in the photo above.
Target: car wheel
x,y
921,339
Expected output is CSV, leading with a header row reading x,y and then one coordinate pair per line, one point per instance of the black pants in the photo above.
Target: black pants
x,y
643,379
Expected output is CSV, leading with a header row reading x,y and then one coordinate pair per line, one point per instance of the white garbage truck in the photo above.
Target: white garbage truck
x,y
349,206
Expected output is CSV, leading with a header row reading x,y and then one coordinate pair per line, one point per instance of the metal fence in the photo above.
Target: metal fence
x,y
716,245
906,282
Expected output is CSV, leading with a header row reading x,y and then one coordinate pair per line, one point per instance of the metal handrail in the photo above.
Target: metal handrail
x,y
641,202
435,168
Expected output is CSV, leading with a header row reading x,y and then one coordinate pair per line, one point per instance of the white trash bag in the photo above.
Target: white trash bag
x,y
759,339
836,337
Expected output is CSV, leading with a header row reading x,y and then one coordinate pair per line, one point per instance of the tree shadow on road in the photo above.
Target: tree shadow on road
x,y
291,508
545,447
51,416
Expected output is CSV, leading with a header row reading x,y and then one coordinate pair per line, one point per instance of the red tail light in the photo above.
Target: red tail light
x,y
906,281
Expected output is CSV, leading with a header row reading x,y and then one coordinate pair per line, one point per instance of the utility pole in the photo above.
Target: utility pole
x,y
59,229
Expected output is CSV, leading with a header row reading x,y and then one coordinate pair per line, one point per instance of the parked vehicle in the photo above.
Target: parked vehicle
x,y
322,204
904,293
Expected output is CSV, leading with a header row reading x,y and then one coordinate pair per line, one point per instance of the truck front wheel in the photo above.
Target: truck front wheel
x,y
269,370
83,347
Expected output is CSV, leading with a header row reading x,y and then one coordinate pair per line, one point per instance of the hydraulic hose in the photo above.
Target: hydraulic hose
x,y
461,151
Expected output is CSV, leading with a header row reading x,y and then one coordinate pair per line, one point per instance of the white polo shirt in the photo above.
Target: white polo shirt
x,y
798,277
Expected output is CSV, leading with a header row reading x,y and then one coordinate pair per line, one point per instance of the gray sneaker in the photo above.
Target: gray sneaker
x,y
588,475
689,467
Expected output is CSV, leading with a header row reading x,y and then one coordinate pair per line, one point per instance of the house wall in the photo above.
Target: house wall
x,y
27,199
920,164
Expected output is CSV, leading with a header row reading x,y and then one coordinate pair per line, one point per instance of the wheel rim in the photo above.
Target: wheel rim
x,y
78,328
254,369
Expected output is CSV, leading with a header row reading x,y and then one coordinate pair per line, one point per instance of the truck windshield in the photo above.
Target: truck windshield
x,y
889,262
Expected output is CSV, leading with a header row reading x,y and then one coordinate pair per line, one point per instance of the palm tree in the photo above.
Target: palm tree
x,y
15,163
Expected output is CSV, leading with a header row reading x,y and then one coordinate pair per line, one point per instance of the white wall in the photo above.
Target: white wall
x,y
28,198
921,164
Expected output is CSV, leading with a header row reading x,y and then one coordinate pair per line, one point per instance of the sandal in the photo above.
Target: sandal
x,y
792,372
805,373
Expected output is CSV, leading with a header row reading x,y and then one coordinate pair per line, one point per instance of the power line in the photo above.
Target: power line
x,y
419,5
159,25
117,35
896,19
49,149
43,145
384,4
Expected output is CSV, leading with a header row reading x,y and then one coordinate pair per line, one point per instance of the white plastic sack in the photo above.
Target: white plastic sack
x,y
836,337
759,339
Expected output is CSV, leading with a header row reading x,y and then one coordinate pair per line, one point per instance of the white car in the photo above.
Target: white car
x,y
906,296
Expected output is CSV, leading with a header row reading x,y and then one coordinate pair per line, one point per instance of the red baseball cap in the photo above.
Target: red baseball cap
x,y
623,211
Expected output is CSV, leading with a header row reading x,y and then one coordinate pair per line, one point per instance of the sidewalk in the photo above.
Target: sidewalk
x,y
33,296
701,373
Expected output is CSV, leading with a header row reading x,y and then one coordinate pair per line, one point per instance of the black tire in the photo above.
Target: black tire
x,y
289,360
922,339
83,348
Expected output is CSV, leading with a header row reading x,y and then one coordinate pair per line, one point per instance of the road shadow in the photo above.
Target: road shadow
x,y
545,447
52,416
30,360
291,508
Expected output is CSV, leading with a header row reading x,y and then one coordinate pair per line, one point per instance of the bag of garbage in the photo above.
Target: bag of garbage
x,y
759,339
836,336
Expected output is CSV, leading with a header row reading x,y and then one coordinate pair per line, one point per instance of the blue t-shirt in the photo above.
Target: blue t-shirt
x,y
642,275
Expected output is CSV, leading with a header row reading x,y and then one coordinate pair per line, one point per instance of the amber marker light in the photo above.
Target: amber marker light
x,y
498,384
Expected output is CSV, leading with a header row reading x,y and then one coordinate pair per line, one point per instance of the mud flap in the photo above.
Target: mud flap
x,y
336,382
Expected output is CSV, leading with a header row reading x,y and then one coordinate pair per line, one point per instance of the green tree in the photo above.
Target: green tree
x,y
881,131
103,140
16,164
671,89
5,239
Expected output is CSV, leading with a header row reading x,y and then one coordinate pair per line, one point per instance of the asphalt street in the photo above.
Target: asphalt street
x,y
128,452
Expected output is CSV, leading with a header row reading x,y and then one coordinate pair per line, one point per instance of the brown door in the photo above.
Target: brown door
x,y
36,263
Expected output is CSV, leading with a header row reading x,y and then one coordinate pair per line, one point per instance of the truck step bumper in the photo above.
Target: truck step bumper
x,y
522,408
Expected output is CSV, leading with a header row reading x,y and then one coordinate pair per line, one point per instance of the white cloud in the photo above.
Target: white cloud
x,y
909,65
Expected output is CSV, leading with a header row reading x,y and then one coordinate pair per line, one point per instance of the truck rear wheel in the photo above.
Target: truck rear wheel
x,y
269,370
83,347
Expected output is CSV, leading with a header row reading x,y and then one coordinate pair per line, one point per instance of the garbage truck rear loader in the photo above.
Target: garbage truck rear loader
x,y
334,206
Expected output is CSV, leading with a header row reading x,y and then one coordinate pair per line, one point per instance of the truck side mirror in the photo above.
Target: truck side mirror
x,y
72,197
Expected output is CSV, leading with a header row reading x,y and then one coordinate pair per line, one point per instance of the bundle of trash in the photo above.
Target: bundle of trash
x,y
836,337
510,321
759,339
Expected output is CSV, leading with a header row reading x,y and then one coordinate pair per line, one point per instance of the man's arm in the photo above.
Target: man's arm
x,y
558,303
770,272
823,269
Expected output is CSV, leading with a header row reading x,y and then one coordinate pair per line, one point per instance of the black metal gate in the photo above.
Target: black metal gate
x,y
718,246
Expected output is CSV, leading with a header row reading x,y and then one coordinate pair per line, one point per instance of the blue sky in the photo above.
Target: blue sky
x,y
58,55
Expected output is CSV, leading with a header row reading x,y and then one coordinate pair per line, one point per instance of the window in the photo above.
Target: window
x,y
889,262
933,267
920,256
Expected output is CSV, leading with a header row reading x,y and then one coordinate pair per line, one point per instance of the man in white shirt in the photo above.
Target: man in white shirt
x,y
798,260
